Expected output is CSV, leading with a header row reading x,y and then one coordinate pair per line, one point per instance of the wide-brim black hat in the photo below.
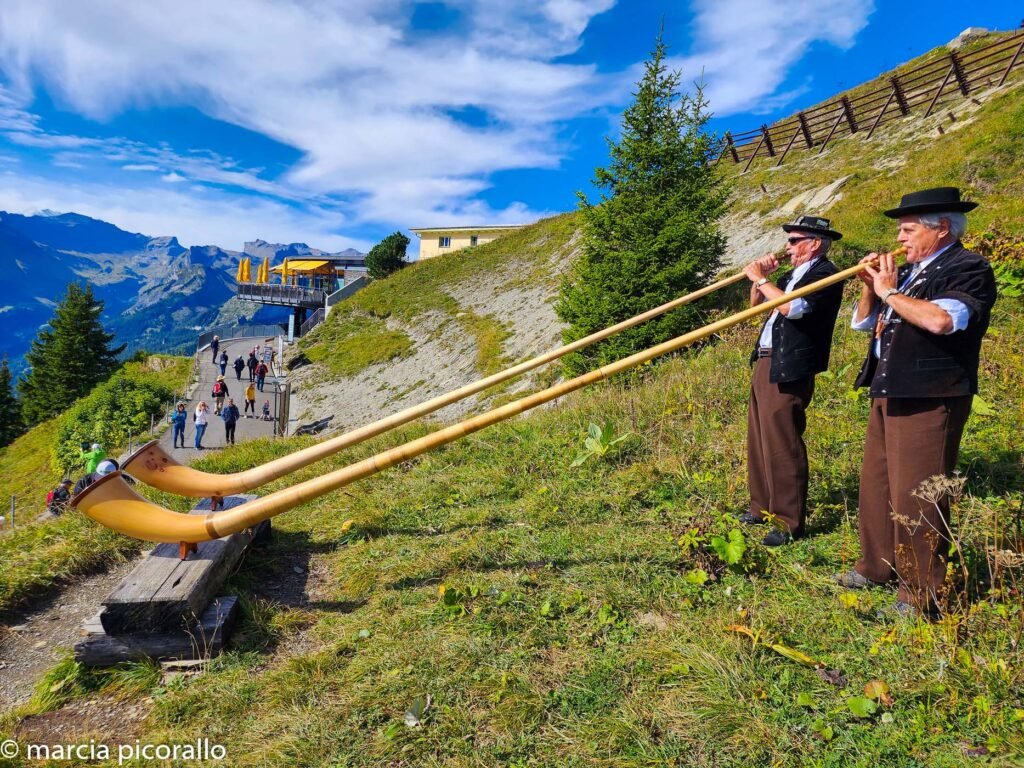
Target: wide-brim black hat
x,y
814,224
938,200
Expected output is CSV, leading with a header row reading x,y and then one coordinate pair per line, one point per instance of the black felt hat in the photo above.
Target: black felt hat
x,y
813,224
938,200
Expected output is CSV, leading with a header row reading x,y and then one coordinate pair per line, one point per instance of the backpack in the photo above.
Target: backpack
x,y
218,389
49,498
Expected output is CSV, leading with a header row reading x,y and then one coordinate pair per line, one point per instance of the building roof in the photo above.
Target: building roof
x,y
302,265
483,228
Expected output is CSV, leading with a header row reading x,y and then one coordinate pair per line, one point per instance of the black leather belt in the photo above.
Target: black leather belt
x,y
764,351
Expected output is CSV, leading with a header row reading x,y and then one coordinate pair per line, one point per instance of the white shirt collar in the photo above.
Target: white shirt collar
x,y
800,271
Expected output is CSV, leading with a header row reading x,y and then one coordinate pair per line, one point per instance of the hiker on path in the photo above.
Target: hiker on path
x,y
239,367
223,362
266,410
104,468
92,456
215,345
251,364
219,392
178,420
230,415
201,418
250,401
261,375
58,498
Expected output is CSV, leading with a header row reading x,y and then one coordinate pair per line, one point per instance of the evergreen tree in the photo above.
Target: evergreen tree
x,y
10,414
68,358
654,235
387,256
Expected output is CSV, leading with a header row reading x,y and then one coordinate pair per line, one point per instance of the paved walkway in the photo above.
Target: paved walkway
x,y
248,428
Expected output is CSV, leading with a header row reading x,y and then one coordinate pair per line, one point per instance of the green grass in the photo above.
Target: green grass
x,y
572,628
348,342
36,557
355,336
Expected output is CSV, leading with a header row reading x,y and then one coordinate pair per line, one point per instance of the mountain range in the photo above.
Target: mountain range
x,y
157,293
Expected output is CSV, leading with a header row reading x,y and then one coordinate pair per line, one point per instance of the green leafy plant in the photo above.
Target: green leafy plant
x,y
731,547
599,442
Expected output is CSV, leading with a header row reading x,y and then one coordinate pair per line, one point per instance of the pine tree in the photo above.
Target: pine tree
x,y
10,414
68,358
387,256
654,235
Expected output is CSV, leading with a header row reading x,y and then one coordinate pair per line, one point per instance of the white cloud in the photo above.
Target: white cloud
x,y
368,101
747,47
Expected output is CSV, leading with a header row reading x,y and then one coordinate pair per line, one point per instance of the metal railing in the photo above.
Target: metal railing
x,y
286,295
343,293
229,331
953,76
312,321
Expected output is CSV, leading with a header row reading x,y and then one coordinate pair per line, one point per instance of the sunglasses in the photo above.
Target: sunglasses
x,y
795,240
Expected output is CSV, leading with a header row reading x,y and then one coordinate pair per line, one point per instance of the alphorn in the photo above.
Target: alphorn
x,y
152,465
113,503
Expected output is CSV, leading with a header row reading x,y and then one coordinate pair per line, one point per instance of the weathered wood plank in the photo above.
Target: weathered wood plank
x,y
164,591
201,640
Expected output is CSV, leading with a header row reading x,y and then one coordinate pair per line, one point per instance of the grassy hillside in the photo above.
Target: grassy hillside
x,y
559,616
35,556
356,335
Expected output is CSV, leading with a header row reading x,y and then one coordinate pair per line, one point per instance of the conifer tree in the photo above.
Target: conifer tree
x,y
10,414
654,234
68,358
387,256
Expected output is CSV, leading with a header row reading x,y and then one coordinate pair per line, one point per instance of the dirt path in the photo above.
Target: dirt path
x,y
29,649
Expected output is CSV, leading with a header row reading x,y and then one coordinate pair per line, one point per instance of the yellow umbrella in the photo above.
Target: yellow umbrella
x,y
247,269
240,273
284,272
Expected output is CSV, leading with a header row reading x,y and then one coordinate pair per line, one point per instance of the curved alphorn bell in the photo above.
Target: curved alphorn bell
x,y
113,503
152,465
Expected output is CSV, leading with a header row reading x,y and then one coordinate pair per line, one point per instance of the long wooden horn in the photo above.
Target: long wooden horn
x,y
152,465
114,504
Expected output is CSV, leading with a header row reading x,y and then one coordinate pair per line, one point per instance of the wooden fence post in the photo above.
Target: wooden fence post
x,y
892,95
958,71
1013,62
756,150
806,129
848,111
901,98
835,125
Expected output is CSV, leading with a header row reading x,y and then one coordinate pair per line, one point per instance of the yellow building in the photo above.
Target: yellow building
x,y
435,241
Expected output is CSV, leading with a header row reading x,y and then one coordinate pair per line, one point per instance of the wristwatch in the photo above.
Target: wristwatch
x,y
888,292
761,282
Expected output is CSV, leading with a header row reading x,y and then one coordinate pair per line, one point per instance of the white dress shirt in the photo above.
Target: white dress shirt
x,y
957,310
797,307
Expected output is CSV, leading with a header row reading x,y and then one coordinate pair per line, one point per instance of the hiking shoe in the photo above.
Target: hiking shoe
x,y
777,538
751,519
853,580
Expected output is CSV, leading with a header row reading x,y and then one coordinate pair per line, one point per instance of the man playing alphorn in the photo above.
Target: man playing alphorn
x,y
793,346
928,318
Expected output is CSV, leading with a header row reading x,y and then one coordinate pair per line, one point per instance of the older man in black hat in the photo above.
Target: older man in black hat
x,y
928,318
793,346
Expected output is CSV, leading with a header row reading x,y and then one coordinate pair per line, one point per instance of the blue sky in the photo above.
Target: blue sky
x,y
336,123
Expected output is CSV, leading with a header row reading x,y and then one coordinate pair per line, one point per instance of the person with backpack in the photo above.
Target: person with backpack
x,y
219,392
201,418
178,419
57,499
261,375
223,362
239,367
230,415
250,400
251,364
215,345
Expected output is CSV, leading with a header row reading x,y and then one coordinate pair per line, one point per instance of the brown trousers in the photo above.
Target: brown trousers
x,y
776,454
902,536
